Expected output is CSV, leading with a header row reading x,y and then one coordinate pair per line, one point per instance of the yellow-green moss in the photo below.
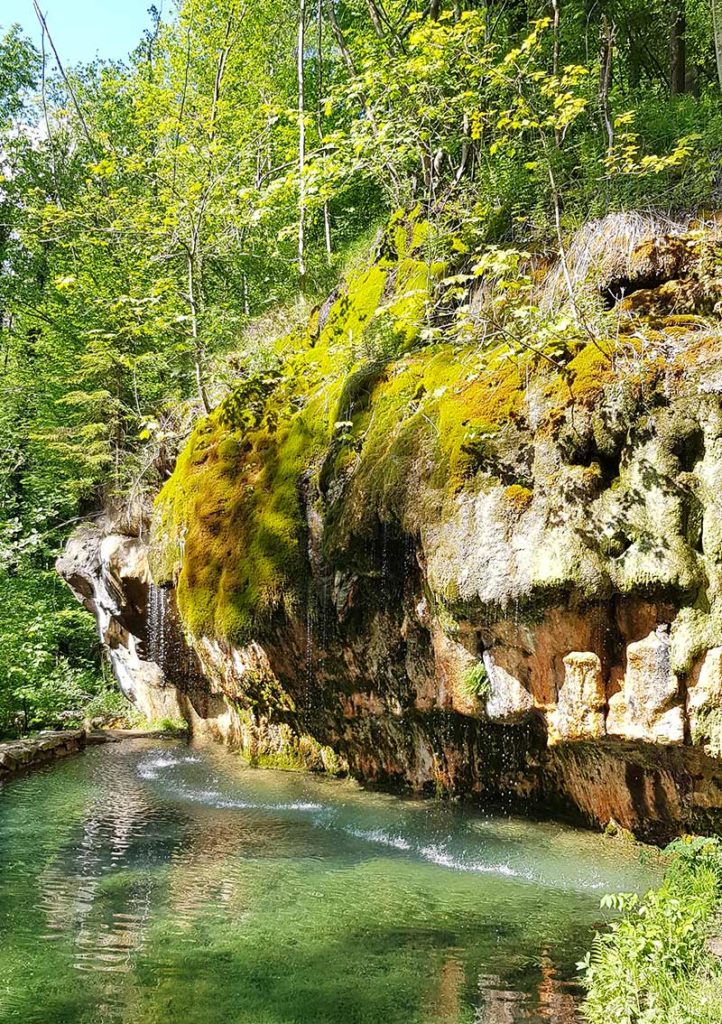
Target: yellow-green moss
x,y
520,498
280,760
404,437
417,445
296,753
388,430
228,526
695,631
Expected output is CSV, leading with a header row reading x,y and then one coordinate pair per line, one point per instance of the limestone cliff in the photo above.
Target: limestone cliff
x,y
453,561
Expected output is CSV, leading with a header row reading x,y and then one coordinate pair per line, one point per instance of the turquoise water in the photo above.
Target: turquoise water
x,y
154,883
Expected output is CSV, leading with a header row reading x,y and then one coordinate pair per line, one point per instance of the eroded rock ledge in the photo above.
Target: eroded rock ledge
x,y
16,755
555,730
452,571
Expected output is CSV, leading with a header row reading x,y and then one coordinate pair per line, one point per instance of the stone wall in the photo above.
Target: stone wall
x,y
16,755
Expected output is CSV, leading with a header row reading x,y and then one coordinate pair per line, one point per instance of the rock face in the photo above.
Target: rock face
x,y
160,673
108,573
648,707
492,582
581,700
704,702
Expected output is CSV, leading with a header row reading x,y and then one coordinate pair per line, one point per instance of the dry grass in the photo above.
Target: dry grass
x,y
601,250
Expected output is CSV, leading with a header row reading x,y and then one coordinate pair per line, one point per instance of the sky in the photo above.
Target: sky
x,y
83,29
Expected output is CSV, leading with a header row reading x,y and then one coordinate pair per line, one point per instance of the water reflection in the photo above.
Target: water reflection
x,y
172,886
76,886
553,1000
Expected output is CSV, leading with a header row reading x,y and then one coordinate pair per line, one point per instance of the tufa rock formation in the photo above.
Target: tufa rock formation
x,y
451,562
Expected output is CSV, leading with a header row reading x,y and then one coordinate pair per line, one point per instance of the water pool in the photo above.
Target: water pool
x,y
149,882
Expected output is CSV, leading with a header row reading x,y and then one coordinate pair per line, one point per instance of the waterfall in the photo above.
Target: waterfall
x,y
157,626
310,595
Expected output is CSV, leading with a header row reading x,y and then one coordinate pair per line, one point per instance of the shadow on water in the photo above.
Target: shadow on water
x,y
153,884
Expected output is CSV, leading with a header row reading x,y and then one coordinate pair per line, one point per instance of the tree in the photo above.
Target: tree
x,y
301,142
678,46
163,220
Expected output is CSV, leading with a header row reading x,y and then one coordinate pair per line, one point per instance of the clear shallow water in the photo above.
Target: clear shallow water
x,y
153,883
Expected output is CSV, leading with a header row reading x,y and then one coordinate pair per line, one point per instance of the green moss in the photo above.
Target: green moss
x,y
228,522
171,726
352,312
229,450
613,830
388,431
284,761
229,525
296,753
420,445
402,436
707,731
695,630
408,307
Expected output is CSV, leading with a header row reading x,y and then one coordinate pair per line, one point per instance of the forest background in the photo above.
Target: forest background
x,y
164,219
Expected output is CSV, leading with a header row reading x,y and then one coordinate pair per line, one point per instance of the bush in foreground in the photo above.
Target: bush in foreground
x,y
655,964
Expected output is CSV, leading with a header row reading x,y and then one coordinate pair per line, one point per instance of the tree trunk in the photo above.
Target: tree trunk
x,y
349,62
679,48
195,333
375,18
518,15
319,116
340,39
556,18
68,84
717,22
301,146
605,78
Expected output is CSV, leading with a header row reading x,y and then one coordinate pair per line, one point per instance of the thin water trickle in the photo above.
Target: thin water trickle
x,y
153,883
409,558
384,560
310,598
157,625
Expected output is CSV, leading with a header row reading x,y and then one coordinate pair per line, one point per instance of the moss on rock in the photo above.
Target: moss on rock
x,y
571,468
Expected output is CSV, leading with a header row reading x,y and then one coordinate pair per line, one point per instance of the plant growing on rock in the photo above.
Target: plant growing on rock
x,y
476,682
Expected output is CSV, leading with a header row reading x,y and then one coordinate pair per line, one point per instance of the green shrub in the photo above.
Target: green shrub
x,y
654,966
111,707
50,667
172,726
